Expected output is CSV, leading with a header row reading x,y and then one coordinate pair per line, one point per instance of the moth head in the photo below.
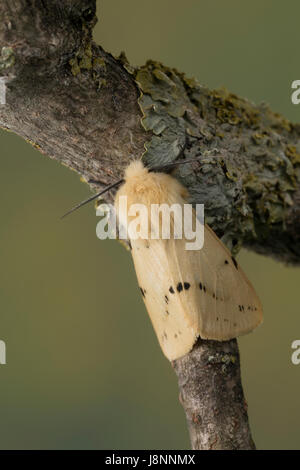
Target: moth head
x,y
145,192
137,171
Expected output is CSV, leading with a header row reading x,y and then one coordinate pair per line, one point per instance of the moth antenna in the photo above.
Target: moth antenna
x,y
95,196
179,162
117,183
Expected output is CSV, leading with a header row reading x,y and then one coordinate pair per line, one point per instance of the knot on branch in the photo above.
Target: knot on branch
x,y
44,35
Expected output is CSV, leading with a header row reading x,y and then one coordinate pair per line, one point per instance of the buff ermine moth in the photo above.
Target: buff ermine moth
x,y
188,294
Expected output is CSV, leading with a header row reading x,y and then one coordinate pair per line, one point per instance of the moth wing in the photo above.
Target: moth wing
x,y
158,280
187,293
192,293
228,305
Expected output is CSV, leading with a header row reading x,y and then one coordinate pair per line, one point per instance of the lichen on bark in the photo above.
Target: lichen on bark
x,y
248,170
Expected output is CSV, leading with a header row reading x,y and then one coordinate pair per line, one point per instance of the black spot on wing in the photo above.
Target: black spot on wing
x,y
226,261
252,308
143,291
171,290
166,299
179,287
164,336
202,286
187,285
234,262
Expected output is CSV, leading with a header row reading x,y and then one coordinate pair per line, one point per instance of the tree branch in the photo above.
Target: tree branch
x,y
94,113
212,396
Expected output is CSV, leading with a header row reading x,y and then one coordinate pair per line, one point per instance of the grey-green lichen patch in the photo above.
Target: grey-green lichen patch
x,y
248,169
7,58
163,102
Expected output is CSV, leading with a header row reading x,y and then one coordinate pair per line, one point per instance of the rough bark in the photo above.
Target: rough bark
x,y
212,396
93,112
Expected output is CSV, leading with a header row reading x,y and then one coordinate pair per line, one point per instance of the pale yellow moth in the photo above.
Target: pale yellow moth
x,y
187,293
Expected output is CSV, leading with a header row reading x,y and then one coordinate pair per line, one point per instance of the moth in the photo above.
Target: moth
x,y
188,294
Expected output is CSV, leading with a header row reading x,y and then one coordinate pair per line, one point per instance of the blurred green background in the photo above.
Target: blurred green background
x,y
84,369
